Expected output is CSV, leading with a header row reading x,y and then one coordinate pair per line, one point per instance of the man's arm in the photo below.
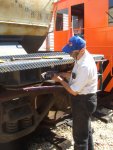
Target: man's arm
x,y
64,84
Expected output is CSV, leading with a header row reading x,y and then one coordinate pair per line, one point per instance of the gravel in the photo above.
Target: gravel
x,y
103,137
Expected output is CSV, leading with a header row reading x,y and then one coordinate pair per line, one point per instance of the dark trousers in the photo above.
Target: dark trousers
x,y
82,108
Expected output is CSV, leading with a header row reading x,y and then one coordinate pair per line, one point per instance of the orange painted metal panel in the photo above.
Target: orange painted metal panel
x,y
97,32
60,39
68,3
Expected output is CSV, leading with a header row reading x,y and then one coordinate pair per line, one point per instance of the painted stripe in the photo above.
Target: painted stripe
x,y
106,75
109,86
106,71
106,81
105,64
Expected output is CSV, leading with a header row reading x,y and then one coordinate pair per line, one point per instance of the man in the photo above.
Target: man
x,y
82,87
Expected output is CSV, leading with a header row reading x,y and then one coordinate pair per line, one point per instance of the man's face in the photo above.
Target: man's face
x,y
74,53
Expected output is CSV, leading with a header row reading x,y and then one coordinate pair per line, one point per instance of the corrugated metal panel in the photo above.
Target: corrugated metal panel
x,y
24,62
48,44
65,21
51,35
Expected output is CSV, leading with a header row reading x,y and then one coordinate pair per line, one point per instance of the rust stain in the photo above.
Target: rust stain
x,y
18,17
13,29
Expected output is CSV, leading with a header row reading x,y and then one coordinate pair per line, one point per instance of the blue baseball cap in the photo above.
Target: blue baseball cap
x,y
75,43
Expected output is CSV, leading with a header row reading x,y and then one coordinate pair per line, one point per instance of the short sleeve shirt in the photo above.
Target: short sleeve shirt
x,y
84,75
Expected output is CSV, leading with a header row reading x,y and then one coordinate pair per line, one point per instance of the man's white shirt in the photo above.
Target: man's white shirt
x,y
84,75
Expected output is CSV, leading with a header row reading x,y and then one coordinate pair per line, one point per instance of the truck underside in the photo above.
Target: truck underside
x,y
26,97
23,109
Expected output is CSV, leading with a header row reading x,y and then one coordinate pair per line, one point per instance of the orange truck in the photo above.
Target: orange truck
x,y
93,21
